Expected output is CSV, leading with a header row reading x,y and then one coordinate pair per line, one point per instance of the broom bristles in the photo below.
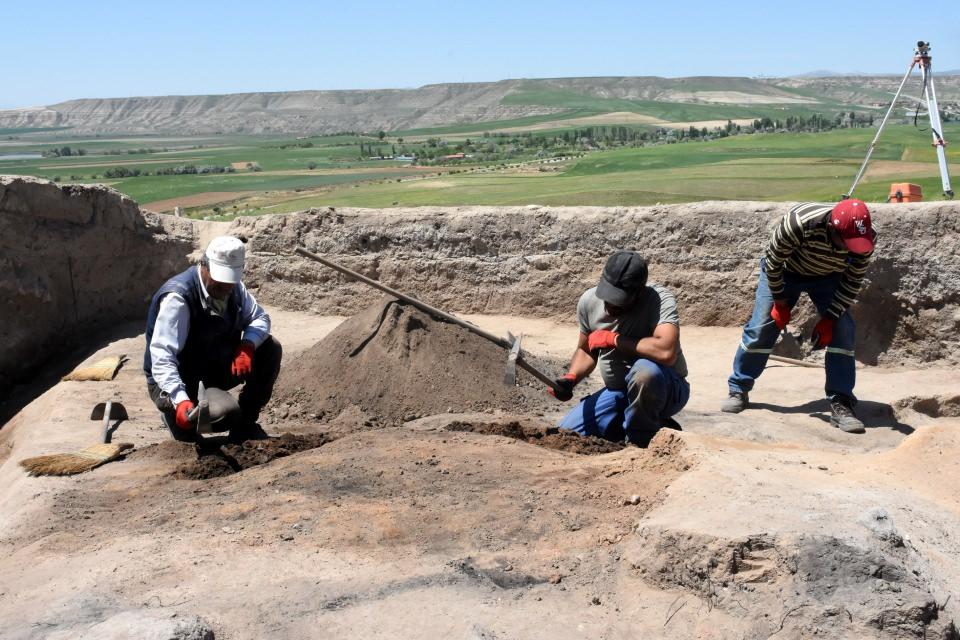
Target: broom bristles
x,y
65,464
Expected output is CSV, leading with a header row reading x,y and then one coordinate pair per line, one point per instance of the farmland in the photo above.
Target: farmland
x,y
234,174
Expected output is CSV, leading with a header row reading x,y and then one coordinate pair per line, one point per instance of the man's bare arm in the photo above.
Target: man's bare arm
x,y
661,347
582,363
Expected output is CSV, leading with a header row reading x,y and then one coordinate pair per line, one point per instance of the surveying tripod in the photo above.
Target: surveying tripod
x,y
920,57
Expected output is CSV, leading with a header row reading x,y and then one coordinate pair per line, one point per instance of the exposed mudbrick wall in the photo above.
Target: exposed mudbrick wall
x,y
537,261
74,260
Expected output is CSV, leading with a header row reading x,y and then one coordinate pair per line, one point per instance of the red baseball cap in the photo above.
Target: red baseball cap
x,y
852,219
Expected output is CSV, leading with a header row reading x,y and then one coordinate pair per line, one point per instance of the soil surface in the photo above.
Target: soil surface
x,y
214,457
549,437
769,522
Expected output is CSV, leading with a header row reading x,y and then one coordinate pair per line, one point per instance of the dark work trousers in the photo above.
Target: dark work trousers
x,y
761,332
255,394
654,393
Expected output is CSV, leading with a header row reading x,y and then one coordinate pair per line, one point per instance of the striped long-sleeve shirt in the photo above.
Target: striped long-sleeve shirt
x,y
801,244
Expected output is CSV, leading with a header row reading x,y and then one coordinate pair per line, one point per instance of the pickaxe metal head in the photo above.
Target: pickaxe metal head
x,y
510,373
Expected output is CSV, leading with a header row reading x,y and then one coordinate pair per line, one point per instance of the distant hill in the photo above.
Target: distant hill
x,y
824,73
514,101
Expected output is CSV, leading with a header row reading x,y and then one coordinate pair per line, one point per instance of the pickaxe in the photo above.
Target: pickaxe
x,y
514,358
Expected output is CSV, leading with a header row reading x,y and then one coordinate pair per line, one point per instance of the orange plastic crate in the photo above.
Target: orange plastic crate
x,y
908,192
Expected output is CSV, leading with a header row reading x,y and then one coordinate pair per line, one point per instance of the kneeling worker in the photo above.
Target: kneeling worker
x,y
632,330
203,325
823,251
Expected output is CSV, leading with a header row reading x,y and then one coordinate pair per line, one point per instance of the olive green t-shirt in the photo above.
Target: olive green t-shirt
x,y
656,305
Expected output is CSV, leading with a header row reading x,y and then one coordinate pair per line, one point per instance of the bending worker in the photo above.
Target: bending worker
x,y
632,330
203,324
823,251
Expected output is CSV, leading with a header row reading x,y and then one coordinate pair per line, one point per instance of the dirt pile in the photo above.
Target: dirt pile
x,y
393,363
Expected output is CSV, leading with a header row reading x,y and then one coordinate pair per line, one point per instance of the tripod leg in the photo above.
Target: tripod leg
x,y
883,123
933,112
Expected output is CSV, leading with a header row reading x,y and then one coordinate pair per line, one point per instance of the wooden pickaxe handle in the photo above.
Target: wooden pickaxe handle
x,y
433,311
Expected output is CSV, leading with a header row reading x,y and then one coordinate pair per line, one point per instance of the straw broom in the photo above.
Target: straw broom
x,y
65,464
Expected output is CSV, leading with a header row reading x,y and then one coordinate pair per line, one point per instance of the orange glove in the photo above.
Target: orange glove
x,y
562,388
780,314
602,339
823,333
183,409
242,360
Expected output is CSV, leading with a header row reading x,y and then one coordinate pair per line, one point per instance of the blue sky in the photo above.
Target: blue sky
x,y
57,50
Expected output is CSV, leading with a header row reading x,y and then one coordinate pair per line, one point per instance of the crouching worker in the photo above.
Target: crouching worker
x,y
632,330
203,325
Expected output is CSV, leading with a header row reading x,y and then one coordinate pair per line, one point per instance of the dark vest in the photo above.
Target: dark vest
x,y
212,338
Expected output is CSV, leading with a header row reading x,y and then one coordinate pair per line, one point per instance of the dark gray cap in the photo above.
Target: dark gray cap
x,y
624,276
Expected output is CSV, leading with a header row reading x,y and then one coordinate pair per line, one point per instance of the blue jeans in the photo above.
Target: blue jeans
x,y
653,392
761,334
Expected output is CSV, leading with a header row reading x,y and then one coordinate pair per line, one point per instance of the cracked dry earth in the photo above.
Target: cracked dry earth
x,y
490,524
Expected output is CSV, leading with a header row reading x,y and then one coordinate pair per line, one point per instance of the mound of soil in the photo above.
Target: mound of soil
x,y
395,363
548,437
217,461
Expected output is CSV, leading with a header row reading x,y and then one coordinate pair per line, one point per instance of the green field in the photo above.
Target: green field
x,y
757,167
283,164
773,166
669,111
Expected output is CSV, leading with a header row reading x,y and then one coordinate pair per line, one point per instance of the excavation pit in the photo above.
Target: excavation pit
x,y
547,437
215,461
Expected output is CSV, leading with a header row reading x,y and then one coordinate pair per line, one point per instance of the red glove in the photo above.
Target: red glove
x,y
823,333
184,408
602,339
780,314
562,388
242,360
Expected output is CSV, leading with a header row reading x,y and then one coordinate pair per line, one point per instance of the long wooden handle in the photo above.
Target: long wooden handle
x,y
437,313
799,363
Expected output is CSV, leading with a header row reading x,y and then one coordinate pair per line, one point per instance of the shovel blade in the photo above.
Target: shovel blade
x,y
117,411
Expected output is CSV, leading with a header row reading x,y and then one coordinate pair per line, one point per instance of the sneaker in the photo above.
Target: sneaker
x,y
736,402
843,417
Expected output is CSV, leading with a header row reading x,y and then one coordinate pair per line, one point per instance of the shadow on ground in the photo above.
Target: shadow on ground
x,y
875,415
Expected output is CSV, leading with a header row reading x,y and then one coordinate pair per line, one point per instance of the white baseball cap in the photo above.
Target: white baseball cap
x,y
225,255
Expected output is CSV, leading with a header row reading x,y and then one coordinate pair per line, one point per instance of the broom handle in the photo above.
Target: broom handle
x,y
501,342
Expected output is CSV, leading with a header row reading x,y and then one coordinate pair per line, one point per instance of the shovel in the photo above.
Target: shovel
x,y
202,411
216,411
108,411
